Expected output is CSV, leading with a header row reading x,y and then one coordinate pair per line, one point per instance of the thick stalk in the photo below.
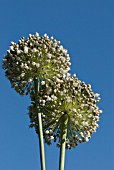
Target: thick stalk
x,y
63,133
41,142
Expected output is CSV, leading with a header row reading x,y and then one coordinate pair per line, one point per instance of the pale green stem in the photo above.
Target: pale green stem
x,y
41,142
63,133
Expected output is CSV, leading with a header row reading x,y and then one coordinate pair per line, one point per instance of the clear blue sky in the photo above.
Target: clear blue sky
x,y
86,29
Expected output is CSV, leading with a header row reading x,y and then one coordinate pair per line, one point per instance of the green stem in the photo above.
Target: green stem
x,y
63,133
41,143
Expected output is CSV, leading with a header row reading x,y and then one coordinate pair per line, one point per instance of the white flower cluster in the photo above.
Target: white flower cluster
x,y
67,96
60,94
34,56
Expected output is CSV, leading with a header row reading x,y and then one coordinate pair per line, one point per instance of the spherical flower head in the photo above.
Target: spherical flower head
x,y
72,98
35,56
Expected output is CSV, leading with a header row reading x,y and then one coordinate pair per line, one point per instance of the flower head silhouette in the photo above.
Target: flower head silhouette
x,y
72,98
35,56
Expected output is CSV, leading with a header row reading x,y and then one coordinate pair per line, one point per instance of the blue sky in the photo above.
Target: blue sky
x,y
86,29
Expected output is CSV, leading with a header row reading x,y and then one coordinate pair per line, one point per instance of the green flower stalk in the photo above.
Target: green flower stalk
x,y
63,134
32,60
42,156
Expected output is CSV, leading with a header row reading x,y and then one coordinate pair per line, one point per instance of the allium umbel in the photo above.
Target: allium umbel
x,y
63,109
35,56
70,97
